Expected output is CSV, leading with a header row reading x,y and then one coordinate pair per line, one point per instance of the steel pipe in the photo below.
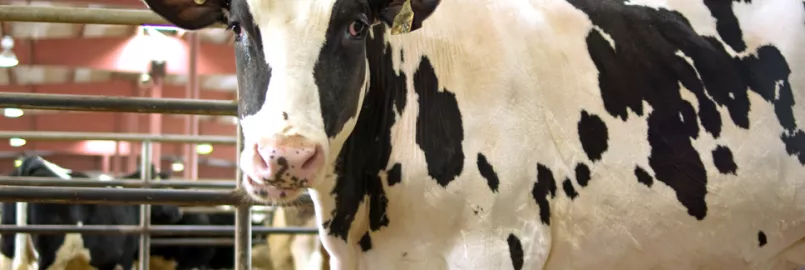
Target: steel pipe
x,y
117,104
243,225
199,242
120,196
153,230
82,15
255,209
102,136
145,209
19,239
193,92
218,210
124,196
48,181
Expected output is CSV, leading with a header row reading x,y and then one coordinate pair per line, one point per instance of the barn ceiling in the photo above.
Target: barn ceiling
x,y
109,60
48,74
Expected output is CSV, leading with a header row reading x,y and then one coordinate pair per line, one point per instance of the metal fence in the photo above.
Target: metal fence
x,y
144,191
47,190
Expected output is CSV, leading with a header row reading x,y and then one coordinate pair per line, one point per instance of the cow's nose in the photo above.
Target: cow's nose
x,y
289,162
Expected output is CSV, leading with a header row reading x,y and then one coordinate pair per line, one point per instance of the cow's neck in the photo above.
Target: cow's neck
x,y
410,134
364,156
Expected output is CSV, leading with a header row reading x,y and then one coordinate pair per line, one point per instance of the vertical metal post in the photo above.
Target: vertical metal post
x,y
117,161
155,119
134,123
243,224
20,256
145,209
133,126
192,92
106,163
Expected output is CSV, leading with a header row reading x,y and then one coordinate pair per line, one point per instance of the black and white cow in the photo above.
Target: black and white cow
x,y
512,134
103,251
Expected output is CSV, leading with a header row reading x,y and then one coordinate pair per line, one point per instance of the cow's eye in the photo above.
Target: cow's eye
x,y
235,27
357,29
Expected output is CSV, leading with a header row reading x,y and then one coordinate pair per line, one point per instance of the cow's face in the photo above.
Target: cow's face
x,y
302,74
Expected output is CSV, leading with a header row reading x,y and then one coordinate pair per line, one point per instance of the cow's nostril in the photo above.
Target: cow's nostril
x,y
260,158
286,162
310,160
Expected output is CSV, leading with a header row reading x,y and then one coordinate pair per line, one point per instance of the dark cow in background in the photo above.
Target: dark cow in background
x,y
102,251
201,257
281,251
186,257
513,134
198,257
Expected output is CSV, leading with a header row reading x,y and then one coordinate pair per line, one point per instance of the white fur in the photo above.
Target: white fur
x,y
301,252
62,173
521,73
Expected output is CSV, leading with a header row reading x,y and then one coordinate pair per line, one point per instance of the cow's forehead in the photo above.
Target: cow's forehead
x,y
291,31
305,93
299,12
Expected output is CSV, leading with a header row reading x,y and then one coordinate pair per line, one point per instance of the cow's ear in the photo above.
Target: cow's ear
x,y
405,15
190,14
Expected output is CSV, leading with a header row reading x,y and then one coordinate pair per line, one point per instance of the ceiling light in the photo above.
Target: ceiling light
x,y
204,148
145,78
16,142
7,57
104,177
177,166
12,112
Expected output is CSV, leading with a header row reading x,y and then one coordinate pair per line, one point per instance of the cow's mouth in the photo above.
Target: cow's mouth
x,y
271,193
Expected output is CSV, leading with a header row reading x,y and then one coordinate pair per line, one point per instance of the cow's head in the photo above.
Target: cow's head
x,y
302,75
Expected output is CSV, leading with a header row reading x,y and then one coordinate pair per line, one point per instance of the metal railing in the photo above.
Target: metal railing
x,y
213,230
48,181
214,241
24,190
116,104
82,15
36,192
100,136
88,191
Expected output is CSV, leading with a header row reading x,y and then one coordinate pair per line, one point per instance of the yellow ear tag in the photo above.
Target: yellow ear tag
x,y
404,19
200,2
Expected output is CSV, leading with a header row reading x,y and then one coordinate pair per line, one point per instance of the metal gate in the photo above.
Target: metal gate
x,y
48,190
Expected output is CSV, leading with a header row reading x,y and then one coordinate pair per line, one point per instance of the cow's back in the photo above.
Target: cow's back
x,y
701,160
595,134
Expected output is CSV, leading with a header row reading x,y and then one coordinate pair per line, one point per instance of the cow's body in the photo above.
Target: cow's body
x,y
101,251
552,134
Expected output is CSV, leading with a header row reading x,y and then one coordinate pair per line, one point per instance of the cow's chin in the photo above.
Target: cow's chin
x,y
271,194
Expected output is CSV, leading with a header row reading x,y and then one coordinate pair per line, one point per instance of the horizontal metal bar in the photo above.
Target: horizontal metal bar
x,y
153,230
104,136
48,181
215,210
199,241
81,15
117,104
120,196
